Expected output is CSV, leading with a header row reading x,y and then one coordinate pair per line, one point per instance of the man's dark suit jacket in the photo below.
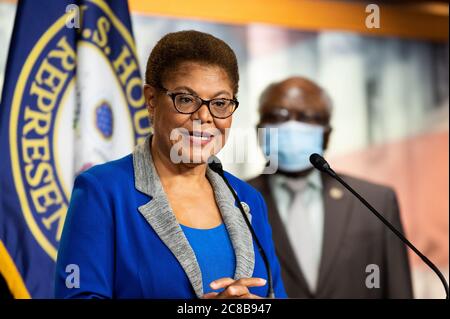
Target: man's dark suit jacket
x,y
353,239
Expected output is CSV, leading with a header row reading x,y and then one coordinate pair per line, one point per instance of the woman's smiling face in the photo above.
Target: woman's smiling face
x,y
190,138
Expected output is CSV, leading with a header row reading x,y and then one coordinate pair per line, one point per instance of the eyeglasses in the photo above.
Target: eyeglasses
x,y
280,115
187,103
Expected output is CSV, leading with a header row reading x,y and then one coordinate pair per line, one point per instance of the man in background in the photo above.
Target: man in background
x,y
329,245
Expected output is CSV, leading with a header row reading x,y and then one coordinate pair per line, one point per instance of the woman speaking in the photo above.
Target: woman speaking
x,y
161,222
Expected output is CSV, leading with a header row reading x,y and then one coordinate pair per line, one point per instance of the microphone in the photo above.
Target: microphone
x,y
322,165
216,166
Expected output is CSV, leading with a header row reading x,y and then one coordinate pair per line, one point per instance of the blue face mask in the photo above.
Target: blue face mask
x,y
292,142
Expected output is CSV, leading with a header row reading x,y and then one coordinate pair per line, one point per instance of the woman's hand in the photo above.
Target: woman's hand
x,y
234,288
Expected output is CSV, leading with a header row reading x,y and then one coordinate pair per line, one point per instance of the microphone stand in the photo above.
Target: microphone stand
x,y
321,164
216,166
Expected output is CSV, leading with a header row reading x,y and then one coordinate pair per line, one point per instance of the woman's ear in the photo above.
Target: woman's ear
x,y
150,99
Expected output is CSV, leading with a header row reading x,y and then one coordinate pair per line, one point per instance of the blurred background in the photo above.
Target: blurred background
x,y
389,86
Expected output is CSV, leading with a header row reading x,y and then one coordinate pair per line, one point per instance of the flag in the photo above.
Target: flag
x,y
72,98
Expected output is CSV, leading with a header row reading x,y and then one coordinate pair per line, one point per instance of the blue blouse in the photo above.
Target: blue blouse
x,y
214,252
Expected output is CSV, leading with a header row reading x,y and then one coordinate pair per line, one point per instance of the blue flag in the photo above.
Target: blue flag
x,y
72,98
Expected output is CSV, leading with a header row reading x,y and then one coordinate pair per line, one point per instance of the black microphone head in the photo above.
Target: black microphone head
x,y
215,164
319,162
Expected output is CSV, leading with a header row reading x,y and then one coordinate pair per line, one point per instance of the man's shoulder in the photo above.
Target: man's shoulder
x,y
365,186
242,187
257,182
362,185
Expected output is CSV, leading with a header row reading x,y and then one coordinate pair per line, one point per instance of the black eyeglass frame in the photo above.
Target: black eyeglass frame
x,y
285,115
173,96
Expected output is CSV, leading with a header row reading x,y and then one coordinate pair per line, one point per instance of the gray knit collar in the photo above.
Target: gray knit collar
x,y
159,215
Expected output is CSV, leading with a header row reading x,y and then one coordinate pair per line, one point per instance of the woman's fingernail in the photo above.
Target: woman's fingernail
x,y
263,281
213,284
